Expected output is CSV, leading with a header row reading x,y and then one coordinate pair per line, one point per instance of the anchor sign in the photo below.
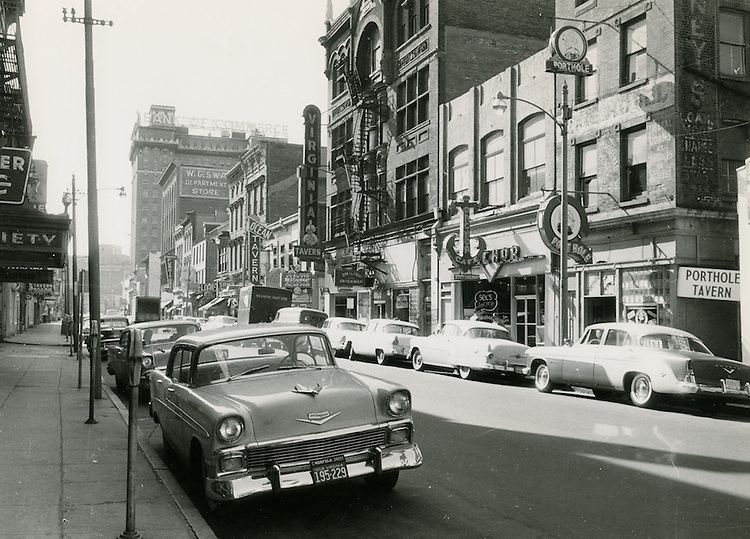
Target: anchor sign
x,y
464,260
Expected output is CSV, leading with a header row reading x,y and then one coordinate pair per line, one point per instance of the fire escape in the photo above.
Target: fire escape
x,y
365,164
15,124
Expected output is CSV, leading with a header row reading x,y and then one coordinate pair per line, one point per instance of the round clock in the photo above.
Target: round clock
x,y
569,43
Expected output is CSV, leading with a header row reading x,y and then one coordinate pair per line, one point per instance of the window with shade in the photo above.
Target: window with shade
x,y
734,40
586,172
635,154
458,173
494,190
533,156
634,55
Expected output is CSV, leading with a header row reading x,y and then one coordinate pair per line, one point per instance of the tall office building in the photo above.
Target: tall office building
x,y
162,139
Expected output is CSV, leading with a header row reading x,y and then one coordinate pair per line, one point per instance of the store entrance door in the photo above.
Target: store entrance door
x,y
526,319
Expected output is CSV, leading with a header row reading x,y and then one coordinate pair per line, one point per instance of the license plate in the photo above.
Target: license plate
x,y
329,469
731,385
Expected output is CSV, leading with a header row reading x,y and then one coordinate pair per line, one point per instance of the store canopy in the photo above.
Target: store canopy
x,y
212,305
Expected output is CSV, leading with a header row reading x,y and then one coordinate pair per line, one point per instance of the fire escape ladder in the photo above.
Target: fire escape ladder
x,y
357,182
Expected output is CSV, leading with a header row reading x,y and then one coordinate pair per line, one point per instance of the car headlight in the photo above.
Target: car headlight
x,y
148,362
230,429
399,403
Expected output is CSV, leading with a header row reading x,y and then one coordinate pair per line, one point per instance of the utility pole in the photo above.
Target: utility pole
x,y
94,287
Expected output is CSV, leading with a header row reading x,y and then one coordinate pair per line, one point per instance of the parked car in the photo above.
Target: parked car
x,y
384,340
110,329
158,338
300,315
218,321
642,361
338,329
469,346
263,407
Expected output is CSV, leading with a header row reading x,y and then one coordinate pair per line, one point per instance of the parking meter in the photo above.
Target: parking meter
x,y
135,356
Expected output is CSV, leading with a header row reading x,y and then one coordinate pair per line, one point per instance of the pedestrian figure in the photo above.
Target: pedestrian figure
x,y
65,326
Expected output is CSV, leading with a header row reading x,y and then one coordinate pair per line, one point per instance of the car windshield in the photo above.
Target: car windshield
x,y
487,333
673,342
228,361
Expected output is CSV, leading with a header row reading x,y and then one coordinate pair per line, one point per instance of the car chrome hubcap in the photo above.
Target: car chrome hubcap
x,y
542,377
641,389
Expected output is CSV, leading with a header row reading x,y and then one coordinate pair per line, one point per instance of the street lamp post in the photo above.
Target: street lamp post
x,y
499,103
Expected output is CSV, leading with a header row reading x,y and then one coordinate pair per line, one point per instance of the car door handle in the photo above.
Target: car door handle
x,y
170,389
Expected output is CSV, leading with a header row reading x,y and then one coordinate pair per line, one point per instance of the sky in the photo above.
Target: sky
x,y
254,61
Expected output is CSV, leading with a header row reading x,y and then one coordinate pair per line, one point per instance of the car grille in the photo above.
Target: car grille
x,y
317,448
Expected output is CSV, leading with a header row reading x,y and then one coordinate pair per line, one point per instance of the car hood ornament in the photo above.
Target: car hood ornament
x,y
299,388
318,418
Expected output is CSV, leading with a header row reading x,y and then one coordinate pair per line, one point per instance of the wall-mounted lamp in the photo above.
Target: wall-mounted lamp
x,y
500,103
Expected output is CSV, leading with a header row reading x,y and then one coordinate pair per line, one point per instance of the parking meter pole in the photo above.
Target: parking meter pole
x,y
93,338
132,448
135,359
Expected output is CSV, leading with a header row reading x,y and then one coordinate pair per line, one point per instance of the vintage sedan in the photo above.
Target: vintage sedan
x,y
384,340
158,338
469,347
339,329
264,408
642,361
110,329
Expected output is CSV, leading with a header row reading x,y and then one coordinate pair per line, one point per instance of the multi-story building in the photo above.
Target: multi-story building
x,y
254,201
654,138
389,65
158,141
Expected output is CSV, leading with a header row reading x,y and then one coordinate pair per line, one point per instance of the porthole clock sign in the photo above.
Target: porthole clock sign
x,y
549,222
569,46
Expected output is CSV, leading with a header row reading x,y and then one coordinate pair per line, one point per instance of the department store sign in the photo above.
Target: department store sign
x,y
708,283
203,183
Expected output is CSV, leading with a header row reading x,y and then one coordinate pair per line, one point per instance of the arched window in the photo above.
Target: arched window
x,y
533,156
369,54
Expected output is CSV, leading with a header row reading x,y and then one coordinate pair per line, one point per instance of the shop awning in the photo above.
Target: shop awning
x,y
213,304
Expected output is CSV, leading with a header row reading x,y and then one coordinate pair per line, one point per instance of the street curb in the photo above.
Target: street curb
x,y
191,515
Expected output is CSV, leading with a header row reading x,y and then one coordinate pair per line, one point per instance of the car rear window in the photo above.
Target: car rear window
x,y
673,342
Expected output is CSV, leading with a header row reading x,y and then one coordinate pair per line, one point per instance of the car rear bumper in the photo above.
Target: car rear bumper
x,y
277,478
702,390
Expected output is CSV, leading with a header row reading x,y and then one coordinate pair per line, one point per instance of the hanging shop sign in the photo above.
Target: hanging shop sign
x,y
465,259
259,229
297,279
254,259
569,46
309,247
15,164
549,223
348,277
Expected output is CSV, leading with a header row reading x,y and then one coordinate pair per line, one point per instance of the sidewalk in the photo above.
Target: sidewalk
x,y
63,477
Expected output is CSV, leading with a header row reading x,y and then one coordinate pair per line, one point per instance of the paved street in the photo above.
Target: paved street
x,y
502,460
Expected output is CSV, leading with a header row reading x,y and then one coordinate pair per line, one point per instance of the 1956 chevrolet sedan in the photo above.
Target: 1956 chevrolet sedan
x,y
264,407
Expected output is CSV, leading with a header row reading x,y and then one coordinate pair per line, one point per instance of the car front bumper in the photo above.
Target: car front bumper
x,y
289,476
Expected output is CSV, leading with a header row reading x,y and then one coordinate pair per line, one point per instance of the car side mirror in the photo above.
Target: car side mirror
x,y
135,356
